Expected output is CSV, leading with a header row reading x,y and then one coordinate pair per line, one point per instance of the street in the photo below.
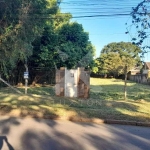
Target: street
x,y
42,134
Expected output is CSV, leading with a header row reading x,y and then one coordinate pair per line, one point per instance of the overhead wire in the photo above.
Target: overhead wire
x,y
95,9
98,8
87,9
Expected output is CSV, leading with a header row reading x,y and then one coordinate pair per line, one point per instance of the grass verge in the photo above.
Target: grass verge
x,y
101,105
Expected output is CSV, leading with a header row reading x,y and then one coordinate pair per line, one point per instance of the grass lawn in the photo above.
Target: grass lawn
x,y
113,89
105,102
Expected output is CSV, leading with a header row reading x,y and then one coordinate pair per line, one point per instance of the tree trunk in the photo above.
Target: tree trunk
x,y
36,79
125,84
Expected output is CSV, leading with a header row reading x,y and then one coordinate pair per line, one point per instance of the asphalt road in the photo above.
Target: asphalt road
x,y
40,134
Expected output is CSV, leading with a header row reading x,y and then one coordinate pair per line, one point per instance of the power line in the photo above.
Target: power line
x,y
103,8
84,16
91,16
118,9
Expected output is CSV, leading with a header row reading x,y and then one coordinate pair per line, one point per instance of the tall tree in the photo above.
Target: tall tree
x,y
37,31
18,30
110,63
120,58
74,42
67,46
62,44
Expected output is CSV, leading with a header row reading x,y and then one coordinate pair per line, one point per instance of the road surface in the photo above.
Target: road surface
x,y
40,134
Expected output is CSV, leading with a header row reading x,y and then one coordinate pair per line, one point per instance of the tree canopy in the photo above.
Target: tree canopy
x,y
74,42
20,24
68,45
115,56
38,34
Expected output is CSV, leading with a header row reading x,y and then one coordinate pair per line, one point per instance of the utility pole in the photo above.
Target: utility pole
x,y
125,83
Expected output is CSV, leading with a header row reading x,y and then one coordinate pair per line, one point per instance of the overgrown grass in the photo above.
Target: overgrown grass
x,y
105,102
113,89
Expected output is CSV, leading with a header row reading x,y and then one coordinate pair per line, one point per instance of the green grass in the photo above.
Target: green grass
x,y
105,102
113,89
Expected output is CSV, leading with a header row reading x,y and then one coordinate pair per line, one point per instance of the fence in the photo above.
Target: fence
x,y
139,78
36,76
42,76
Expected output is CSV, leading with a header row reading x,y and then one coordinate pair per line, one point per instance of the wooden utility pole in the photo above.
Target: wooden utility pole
x,y
125,82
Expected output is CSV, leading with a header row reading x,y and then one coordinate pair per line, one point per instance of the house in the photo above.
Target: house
x,y
142,76
137,70
134,71
146,67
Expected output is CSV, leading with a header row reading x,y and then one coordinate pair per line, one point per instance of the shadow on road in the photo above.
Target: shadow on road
x,y
34,134
3,139
42,134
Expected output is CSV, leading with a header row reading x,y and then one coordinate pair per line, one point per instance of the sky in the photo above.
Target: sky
x,y
103,29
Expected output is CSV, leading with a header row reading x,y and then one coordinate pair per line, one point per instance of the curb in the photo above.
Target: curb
x,y
87,120
123,122
106,121
144,124
103,121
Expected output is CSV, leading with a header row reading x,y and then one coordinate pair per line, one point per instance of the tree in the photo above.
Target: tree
x,y
140,22
119,58
111,63
18,30
67,46
74,42
37,34
45,47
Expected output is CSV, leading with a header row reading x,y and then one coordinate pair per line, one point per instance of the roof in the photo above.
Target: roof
x,y
147,64
136,68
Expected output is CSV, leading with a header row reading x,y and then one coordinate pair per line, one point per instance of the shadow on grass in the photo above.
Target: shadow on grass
x,y
106,104
42,134
116,92
53,107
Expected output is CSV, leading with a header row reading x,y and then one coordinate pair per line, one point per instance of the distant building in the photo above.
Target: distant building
x,y
140,75
135,70
146,67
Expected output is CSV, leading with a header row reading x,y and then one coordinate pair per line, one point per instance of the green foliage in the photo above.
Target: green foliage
x,y
20,23
38,33
74,42
67,45
44,49
115,56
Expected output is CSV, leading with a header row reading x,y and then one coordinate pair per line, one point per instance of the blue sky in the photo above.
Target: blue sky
x,y
102,30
